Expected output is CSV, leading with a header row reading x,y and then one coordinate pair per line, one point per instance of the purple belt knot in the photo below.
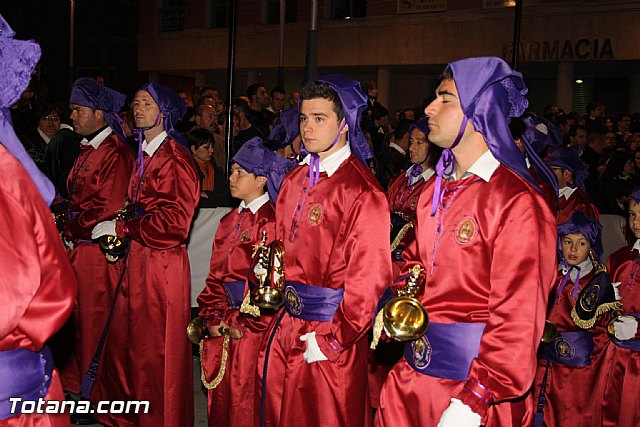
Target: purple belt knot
x,y
633,345
446,350
569,349
311,303
24,374
235,293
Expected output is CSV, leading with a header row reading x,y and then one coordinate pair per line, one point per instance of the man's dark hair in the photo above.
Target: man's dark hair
x,y
574,129
447,74
402,128
316,90
277,89
241,106
198,137
253,89
378,112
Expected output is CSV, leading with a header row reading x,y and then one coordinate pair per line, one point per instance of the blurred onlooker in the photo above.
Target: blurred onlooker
x,y
624,124
214,191
36,138
293,99
578,138
591,156
616,183
394,159
277,100
594,118
258,115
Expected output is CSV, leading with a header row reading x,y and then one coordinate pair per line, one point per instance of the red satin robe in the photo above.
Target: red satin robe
x,y
622,393
339,239
578,201
37,284
232,402
148,356
490,257
573,393
97,188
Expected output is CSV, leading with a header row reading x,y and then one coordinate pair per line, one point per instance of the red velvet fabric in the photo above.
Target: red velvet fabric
x,y
339,239
97,188
622,393
578,201
232,402
573,393
37,283
490,257
147,356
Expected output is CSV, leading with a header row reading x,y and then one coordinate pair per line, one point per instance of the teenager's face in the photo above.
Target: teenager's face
x,y
418,146
319,126
575,248
634,217
445,115
242,183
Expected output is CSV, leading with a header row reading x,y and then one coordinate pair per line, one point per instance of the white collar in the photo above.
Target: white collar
x,y
43,136
255,204
484,166
97,140
566,192
584,267
398,148
151,147
331,163
636,245
426,174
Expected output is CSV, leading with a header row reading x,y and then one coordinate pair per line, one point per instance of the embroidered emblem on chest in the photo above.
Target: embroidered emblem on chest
x,y
563,348
589,299
292,300
466,230
421,352
315,215
245,235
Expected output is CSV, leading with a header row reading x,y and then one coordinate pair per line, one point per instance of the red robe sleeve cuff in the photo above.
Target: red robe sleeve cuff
x,y
329,346
476,396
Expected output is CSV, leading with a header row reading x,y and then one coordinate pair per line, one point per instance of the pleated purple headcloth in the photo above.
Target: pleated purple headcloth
x,y
490,94
18,59
88,93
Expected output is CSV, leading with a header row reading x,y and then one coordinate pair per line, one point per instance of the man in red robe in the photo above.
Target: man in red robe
x,y
313,362
148,356
224,298
97,187
620,405
571,172
37,283
483,228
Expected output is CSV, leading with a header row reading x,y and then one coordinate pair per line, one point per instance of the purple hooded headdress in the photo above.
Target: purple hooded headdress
x,y
18,59
286,129
490,93
567,158
635,195
255,158
538,135
88,93
590,228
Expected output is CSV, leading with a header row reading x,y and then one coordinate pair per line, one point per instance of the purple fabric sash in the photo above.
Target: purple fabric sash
x,y
569,349
308,302
235,293
25,374
633,345
446,350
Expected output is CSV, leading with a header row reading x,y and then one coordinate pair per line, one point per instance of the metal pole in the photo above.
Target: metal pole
x,y
71,37
231,63
516,35
281,57
311,59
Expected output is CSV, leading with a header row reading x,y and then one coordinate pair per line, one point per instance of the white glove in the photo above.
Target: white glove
x,y
625,327
616,291
459,415
105,228
313,352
